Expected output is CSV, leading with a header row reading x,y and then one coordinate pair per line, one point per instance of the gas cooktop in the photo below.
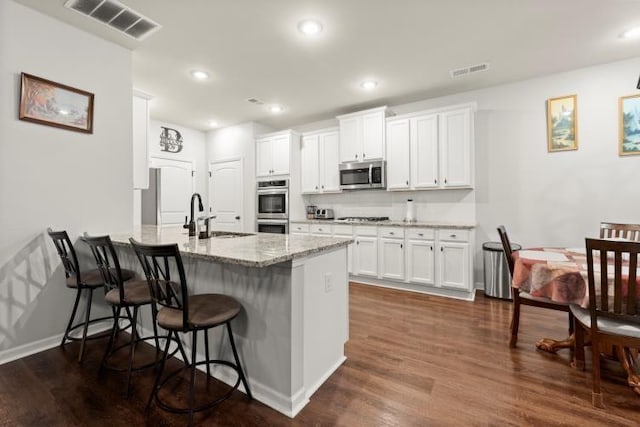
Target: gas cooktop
x,y
362,218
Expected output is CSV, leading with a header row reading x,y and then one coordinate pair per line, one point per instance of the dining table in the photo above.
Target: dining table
x,y
561,274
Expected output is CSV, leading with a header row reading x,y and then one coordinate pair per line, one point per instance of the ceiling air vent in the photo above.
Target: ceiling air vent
x,y
116,15
459,72
255,101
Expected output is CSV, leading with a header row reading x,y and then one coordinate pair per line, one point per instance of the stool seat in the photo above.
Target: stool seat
x,y
205,311
136,292
93,278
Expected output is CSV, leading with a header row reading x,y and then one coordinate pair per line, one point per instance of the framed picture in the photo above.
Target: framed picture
x,y
562,123
54,104
629,125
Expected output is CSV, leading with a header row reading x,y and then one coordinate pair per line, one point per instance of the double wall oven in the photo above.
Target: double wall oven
x,y
272,205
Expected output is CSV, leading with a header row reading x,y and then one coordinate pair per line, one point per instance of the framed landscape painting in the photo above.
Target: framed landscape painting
x,y
49,103
629,125
562,122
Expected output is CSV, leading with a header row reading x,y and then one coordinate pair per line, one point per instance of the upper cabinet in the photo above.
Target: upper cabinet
x,y
362,135
431,150
140,140
319,157
273,153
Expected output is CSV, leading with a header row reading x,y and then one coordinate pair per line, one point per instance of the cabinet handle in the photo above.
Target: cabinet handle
x,y
364,155
392,233
452,236
435,181
356,156
445,180
357,242
400,245
420,234
441,249
407,182
431,247
319,229
323,187
316,187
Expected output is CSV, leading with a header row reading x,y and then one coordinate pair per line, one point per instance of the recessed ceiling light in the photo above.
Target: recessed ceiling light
x,y
631,33
369,84
199,75
213,123
275,109
310,27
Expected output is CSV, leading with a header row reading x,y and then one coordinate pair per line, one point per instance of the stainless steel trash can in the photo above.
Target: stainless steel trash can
x,y
497,280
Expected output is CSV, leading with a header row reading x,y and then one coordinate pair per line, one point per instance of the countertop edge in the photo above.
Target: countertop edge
x,y
391,223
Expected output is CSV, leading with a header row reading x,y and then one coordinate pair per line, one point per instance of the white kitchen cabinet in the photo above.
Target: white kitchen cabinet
x,y
453,260
273,153
320,162
391,252
321,229
420,255
141,140
365,251
345,231
299,229
431,150
362,135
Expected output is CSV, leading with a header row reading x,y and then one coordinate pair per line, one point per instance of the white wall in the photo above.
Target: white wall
x,y
55,177
235,142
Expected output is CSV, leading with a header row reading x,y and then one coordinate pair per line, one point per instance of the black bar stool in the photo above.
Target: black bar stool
x,y
122,294
80,281
181,312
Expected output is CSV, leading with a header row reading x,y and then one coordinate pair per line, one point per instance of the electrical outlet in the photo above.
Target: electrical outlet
x,y
328,285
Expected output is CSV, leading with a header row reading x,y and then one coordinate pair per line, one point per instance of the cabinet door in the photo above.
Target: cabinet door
x,y
281,155
398,172
309,172
392,259
421,261
350,146
454,265
365,256
329,162
424,152
264,157
373,136
455,148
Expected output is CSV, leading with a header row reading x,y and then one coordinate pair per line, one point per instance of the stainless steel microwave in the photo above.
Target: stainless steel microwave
x,y
363,175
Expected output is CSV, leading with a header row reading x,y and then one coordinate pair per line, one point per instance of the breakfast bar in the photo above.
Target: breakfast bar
x,y
293,289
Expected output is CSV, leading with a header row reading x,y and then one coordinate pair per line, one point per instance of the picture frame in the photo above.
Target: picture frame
x,y
629,125
54,104
562,123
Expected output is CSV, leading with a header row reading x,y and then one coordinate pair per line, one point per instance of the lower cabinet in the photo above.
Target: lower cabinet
x,y
365,256
421,262
392,259
453,264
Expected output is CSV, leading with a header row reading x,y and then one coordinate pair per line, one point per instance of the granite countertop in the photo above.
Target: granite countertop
x,y
256,250
393,223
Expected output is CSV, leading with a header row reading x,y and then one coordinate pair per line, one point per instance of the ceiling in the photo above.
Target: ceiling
x,y
252,49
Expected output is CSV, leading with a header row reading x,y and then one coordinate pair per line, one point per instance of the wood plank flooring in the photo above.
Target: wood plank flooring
x,y
413,360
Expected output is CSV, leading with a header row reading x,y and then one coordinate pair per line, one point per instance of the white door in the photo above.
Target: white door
x,y
226,192
365,254
455,145
424,152
264,157
392,259
329,162
454,265
309,173
350,147
373,136
421,261
280,157
398,170
176,188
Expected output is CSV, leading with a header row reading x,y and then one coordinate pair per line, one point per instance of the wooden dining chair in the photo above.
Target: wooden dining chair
x,y
521,297
613,316
616,230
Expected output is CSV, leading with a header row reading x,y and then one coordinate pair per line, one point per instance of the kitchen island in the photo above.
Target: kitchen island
x,y
294,292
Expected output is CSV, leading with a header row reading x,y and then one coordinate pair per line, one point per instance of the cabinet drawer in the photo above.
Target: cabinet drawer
x,y
421,233
342,230
321,228
366,231
299,228
392,232
454,235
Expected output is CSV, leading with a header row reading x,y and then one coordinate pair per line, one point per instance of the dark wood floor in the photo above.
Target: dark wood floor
x,y
413,360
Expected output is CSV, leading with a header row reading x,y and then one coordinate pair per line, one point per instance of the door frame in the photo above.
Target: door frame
x,y
158,162
210,166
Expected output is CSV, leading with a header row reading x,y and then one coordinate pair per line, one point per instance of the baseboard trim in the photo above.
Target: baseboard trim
x,y
24,350
410,287
313,388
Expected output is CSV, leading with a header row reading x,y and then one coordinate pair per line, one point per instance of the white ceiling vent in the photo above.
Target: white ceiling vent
x,y
459,72
116,15
255,101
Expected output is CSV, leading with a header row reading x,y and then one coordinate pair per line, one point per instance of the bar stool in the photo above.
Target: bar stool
x,y
181,312
80,281
122,294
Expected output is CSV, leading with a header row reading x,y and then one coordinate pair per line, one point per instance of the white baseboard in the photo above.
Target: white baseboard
x,y
410,287
34,347
314,387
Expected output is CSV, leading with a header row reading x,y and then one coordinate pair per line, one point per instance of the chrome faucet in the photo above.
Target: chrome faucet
x,y
192,223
